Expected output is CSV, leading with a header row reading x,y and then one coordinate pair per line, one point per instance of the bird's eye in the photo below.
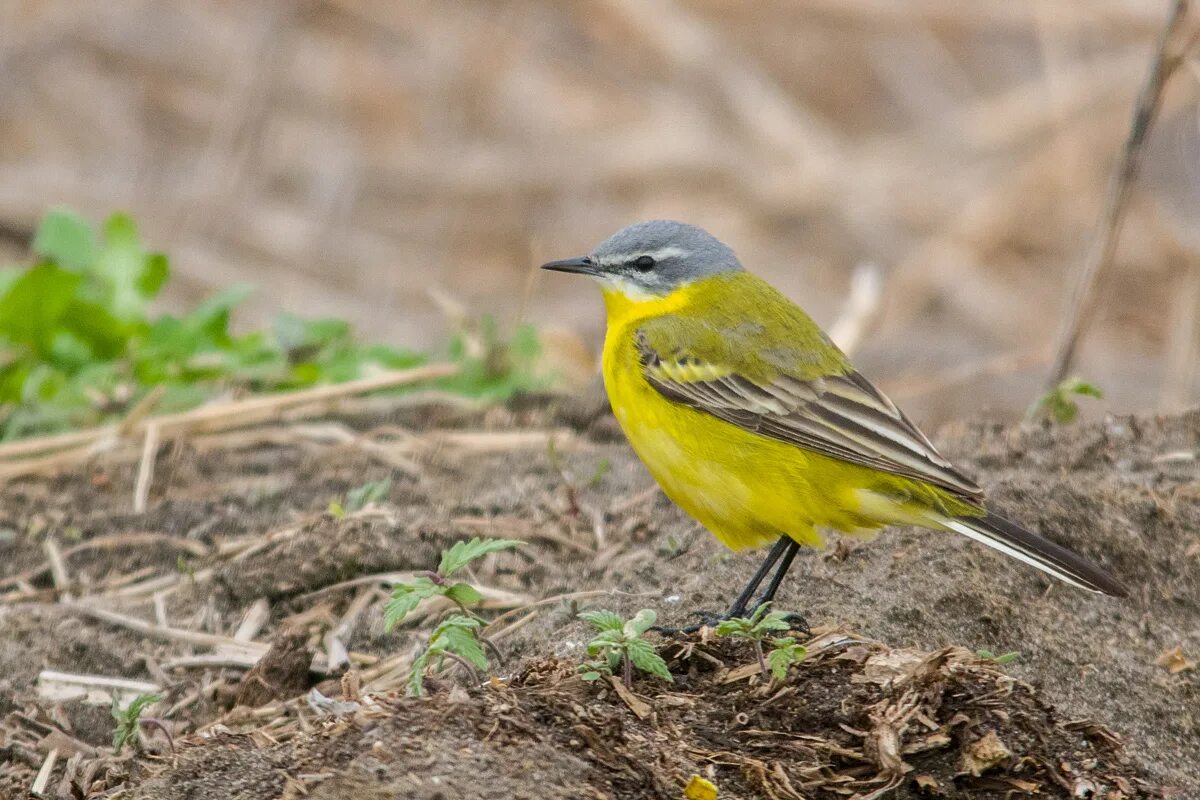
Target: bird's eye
x,y
644,263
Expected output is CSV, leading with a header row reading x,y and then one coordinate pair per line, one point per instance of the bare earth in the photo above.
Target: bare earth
x,y
891,700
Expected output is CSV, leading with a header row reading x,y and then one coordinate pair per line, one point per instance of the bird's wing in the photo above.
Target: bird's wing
x,y
741,379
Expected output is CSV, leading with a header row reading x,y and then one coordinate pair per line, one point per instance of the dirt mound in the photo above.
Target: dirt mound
x,y
239,546
854,718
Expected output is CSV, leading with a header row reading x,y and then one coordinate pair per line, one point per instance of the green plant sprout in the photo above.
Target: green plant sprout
x,y
1005,658
129,718
360,497
456,637
1060,402
81,346
619,643
761,627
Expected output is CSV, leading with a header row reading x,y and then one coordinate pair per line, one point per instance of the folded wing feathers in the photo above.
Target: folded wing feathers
x,y
842,415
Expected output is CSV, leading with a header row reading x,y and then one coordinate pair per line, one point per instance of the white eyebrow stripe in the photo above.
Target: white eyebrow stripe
x,y
670,251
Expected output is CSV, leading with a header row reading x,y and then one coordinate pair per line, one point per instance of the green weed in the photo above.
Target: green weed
x,y
1060,404
80,345
129,718
759,628
619,643
456,637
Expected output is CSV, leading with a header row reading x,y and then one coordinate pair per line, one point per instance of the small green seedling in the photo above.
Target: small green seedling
x,y
1006,658
619,643
83,345
456,637
129,718
602,468
761,627
408,594
1060,402
360,497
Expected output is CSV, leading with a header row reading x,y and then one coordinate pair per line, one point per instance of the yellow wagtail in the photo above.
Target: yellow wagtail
x,y
757,425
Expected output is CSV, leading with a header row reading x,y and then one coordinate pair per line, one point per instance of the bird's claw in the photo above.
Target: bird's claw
x,y
798,623
710,619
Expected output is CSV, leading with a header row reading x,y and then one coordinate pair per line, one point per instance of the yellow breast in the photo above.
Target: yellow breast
x,y
746,489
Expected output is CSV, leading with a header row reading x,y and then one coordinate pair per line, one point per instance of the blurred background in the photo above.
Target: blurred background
x,y
386,162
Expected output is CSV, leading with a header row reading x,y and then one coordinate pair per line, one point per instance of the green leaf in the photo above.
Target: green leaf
x,y
336,510
641,622
122,267
590,675
156,270
605,641
602,468
372,492
405,597
32,310
738,627
775,621
463,553
1060,403
603,620
646,658
1007,658
416,678
464,594
127,718
67,239
457,635
104,336
786,653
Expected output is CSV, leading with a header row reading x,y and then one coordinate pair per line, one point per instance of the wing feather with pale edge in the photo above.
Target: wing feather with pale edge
x,y
842,416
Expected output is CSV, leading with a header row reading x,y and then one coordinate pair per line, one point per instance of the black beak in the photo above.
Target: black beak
x,y
582,265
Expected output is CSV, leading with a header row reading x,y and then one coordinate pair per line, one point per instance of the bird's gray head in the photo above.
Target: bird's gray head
x,y
653,258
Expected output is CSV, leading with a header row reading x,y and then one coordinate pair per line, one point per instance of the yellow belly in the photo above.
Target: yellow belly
x,y
746,489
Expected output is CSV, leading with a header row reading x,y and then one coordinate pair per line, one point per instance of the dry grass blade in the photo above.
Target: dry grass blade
x,y
43,777
862,308
58,687
43,452
167,634
145,475
113,541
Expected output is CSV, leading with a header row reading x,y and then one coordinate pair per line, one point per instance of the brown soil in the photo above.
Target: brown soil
x,y
245,518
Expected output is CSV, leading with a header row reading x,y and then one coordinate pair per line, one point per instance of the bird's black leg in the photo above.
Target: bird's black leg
x,y
738,608
768,594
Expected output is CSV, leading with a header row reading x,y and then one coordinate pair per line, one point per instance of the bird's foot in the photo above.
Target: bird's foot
x,y
711,619
798,623
708,619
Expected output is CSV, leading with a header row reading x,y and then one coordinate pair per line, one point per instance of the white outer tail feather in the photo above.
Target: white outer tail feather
x,y
961,526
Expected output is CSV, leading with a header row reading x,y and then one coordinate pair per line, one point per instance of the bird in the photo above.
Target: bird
x,y
758,426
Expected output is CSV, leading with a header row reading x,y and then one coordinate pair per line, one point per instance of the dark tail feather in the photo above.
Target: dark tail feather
x,y
1013,540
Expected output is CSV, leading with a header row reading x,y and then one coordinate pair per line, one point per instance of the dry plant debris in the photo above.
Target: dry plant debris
x,y
952,721
257,615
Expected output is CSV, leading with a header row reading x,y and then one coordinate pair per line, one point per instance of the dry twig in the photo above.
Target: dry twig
x,y
1173,45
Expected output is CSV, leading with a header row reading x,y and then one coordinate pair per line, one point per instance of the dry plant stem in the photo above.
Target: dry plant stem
x,y
43,777
862,308
762,660
167,634
1168,56
145,475
224,416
